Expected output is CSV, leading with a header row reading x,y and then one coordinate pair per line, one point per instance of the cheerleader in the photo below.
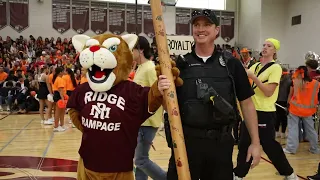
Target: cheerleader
x,y
71,83
70,80
42,96
50,95
59,92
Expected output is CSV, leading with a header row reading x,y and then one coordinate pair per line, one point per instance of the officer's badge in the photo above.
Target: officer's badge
x,y
222,62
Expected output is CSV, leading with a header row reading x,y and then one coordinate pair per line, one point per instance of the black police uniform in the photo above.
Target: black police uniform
x,y
208,137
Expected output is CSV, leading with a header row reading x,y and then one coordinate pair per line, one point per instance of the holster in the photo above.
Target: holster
x,y
218,133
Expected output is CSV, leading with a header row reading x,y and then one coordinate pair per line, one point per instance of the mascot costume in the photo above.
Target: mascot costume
x,y
109,109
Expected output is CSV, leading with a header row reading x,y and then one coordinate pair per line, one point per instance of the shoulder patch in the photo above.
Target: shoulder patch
x,y
222,61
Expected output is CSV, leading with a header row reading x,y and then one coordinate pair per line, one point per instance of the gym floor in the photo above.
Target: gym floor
x,y
30,150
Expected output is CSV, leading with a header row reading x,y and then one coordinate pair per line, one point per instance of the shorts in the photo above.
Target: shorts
x,y
69,93
56,96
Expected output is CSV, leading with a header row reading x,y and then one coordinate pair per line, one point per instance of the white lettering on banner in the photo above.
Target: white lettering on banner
x,y
100,111
103,96
180,44
102,126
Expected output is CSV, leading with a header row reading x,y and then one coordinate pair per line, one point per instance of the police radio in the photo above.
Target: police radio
x,y
207,94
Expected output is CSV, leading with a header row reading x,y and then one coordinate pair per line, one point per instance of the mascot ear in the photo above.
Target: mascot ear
x,y
130,39
79,41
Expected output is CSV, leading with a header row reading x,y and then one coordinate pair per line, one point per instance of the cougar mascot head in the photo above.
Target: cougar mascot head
x,y
108,58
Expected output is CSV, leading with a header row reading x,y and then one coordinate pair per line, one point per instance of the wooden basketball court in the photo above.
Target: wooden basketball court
x,y
30,150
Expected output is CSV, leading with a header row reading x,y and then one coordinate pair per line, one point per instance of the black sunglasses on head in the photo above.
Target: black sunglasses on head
x,y
205,12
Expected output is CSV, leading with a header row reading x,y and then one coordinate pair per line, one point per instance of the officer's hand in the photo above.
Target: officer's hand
x,y
254,152
163,83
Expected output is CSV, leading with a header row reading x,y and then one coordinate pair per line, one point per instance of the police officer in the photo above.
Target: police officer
x,y
207,102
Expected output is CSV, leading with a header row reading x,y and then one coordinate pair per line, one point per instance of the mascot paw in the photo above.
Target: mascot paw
x,y
175,72
75,118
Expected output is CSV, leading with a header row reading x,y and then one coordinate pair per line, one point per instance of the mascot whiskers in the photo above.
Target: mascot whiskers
x,y
109,109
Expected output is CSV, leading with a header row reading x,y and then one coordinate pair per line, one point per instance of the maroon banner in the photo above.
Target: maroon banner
x,y
19,14
99,18
183,17
116,18
3,14
80,16
227,26
61,15
148,22
131,19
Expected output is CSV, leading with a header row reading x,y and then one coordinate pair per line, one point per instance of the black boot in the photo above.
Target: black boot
x,y
315,177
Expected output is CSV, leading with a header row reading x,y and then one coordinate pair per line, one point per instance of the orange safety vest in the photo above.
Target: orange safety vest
x,y
304,103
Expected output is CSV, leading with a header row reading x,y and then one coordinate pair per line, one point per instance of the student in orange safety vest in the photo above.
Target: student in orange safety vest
x,y
303,101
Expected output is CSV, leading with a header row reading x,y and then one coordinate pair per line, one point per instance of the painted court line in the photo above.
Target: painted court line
x,y
2,118
16,135
46,150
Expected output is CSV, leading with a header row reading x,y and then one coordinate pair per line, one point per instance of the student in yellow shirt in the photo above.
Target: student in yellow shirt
x,y
266,78
145,76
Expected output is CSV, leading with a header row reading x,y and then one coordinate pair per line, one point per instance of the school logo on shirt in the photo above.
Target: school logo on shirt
x,y
101,111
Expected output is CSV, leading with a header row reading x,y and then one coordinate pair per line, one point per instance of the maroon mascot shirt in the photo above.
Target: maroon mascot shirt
x,y
111,121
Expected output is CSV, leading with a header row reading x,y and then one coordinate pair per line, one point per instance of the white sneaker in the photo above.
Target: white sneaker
x,y
47,122
51,119
8,108
58,129
61,128
291,177
286,151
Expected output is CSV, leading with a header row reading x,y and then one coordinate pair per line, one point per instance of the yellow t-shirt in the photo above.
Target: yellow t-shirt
x,y
273,75
146,75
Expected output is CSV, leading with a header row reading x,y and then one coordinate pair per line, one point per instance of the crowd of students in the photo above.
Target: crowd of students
x,y
36,74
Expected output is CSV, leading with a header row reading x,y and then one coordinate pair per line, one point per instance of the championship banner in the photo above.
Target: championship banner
x,y
99,17
61,15
147,22
227,25
80,16
131,19
183,25
116,18
180,44
3,14
19,14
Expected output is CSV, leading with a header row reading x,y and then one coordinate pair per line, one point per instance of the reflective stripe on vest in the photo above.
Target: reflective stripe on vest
x,y
313,96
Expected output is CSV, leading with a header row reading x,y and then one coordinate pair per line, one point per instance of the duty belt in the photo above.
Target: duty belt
x,y
216,133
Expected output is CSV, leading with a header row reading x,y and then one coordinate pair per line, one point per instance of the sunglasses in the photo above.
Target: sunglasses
x,y
205,12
